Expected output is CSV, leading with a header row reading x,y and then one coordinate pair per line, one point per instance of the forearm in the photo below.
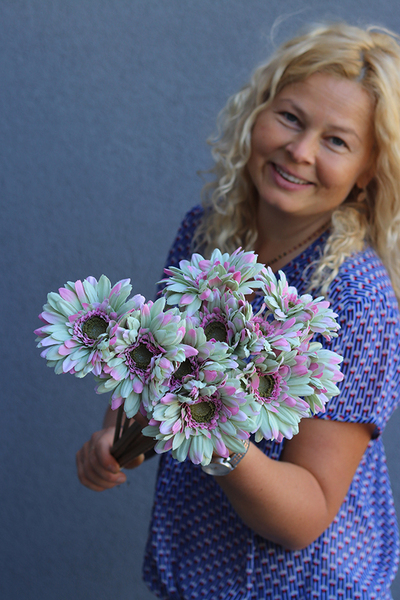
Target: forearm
x,y
280,501
293,500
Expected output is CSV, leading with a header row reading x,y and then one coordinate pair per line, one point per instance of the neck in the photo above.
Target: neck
x,y
281,237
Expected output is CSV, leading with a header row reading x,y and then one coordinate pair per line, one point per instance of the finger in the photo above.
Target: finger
x,y
96,482
85,477
101,443
82,468
103,469
92,474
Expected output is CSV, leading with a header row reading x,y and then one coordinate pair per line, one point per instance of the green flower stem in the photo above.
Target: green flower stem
x,y
142,445
126,425
125,439
118,423
131,444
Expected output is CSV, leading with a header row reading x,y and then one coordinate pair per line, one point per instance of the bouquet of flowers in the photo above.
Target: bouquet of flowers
x,y
203,368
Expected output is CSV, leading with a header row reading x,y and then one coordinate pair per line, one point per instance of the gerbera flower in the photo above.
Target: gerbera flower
x,y
276,336
77,320
147,346
279,384
284,302
324,374
281,299
228,319
201,280
323,320
209,365
215,418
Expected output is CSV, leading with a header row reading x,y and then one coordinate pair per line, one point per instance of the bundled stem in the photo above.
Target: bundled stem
x,y
129,442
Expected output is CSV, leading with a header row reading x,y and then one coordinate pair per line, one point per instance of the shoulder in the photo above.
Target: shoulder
x,y
189,224
181,248
363,298
369,341
363,282
192,219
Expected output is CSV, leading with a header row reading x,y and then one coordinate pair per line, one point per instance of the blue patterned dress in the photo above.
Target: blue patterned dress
x,y
198,548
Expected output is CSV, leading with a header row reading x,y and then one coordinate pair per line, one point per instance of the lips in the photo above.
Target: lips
x,y
290,176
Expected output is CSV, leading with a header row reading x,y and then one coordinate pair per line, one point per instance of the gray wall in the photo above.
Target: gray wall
x,y
105,106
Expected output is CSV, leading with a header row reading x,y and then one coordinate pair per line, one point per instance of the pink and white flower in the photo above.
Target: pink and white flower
x,y
213,418
200,280
279,385
75,336
284,302
147,348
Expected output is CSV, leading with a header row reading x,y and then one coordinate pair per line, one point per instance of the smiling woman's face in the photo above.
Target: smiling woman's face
x,y
312,145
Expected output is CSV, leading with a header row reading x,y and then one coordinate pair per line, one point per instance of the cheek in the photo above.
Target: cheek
x,y
252,169
257,157
336,185
264,135
336,174
258,146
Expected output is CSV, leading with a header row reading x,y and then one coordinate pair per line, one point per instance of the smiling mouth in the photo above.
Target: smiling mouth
x,y
289,177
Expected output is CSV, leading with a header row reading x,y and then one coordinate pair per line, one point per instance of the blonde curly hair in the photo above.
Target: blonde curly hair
x,y
369,56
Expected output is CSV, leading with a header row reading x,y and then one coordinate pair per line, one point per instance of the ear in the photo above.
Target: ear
x,y
359,194
369,172
365,177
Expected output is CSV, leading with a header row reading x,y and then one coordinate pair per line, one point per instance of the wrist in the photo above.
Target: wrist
x,y
220,466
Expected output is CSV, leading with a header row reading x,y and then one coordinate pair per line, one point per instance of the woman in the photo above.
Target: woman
x,y
308,175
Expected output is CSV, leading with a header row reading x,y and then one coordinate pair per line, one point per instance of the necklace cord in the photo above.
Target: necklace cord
x,y
313,236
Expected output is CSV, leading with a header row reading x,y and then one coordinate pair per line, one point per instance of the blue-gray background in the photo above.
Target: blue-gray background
x,y
105,106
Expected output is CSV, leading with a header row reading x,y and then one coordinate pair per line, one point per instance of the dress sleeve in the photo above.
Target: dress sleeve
x,y
369,343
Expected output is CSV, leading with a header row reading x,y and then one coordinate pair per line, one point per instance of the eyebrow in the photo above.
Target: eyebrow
x,y
338,128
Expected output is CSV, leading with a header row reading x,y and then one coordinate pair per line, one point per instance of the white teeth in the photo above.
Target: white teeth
x,y
290,177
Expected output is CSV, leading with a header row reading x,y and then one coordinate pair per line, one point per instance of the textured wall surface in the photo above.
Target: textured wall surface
x,y
105,107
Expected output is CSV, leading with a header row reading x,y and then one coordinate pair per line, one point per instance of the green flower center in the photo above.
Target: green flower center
x,y
202,412
184,368
141,356
215,330
266,386
94,327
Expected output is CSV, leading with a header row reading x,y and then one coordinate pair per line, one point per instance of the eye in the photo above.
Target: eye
x,y
337,141
290,117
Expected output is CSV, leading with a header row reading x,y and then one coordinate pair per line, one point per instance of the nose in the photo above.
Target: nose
x,y
303,148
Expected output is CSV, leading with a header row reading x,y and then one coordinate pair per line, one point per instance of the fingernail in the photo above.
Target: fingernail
x,y
120,479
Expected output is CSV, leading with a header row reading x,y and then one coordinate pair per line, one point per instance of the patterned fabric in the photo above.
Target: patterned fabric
x,y
199,548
